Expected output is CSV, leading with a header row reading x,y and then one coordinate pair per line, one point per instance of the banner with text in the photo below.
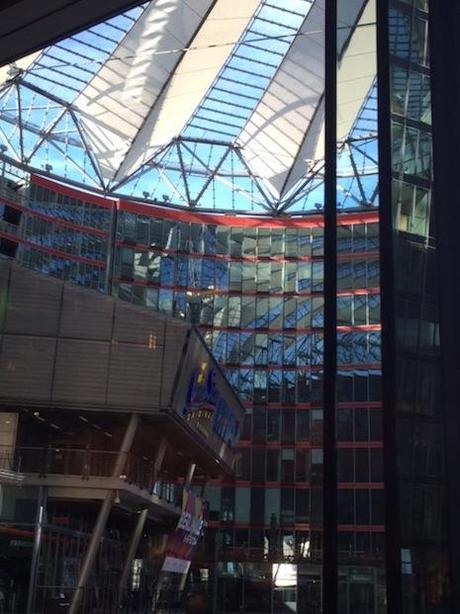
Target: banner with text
x,y
182,542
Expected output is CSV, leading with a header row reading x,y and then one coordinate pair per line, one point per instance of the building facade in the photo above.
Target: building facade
x,y
322,308
103,425
255,289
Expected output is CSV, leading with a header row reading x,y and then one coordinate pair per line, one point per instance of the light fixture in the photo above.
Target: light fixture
x,y
13,71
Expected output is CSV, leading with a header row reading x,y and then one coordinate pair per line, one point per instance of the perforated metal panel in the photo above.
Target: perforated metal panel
x,y
26,367
81,371
135,377
33,303
84,318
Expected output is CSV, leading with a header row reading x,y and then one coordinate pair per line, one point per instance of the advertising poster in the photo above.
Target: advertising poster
x,y
205,401
181,543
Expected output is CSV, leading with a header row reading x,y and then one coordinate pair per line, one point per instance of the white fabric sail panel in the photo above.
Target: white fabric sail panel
x,y
117,101
276,129
356,71
191,80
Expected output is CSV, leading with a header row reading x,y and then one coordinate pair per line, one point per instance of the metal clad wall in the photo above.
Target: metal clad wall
x,y
64,345
84,318
81,371
80,350
135,376
133,325
29,296
175,340
4,278
26,366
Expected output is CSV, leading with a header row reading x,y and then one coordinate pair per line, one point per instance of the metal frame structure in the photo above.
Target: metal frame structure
x,y
190,172
204,166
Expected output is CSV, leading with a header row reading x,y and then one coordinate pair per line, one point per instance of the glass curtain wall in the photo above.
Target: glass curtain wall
x,y
420,419
359,432
257,295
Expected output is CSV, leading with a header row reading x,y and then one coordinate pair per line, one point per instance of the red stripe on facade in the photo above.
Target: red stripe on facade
x,y
359,404
54,220
340,405
359,445
346,256
51,251
255,293
297,368
211,292
360,327
357,528
236,220
142,247
243,221
358,291
299,330
294,485
308,445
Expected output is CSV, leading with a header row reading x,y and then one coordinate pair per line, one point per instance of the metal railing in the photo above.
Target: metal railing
x,y
86,463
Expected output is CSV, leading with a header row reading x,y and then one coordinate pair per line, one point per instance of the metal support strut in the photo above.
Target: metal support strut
x,y
39,521
103,515
142,517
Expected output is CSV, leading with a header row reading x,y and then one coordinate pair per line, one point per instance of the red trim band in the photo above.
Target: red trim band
x,y
51,251
54,220
242,221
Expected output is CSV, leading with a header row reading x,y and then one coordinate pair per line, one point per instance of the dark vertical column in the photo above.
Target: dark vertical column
x,y
39,522
445,75
387,246
330,316
111,247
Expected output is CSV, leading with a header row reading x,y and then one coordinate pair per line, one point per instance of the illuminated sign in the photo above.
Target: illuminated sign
x,y
206,409
205,401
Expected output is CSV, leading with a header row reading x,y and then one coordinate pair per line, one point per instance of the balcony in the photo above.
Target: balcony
x,y
88,474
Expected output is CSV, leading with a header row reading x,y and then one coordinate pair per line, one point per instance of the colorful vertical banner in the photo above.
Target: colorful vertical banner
x,y
182,542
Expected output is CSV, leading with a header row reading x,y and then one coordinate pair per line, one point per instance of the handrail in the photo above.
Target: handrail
x,y
86,463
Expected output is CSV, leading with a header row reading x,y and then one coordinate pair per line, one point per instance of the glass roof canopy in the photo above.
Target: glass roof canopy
x,y
194,103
